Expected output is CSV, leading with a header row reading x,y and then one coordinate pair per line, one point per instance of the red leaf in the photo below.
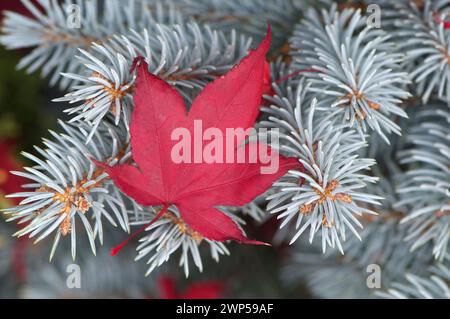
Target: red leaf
x,y
214,224
437,19
9,183
204,290
267,81
223,183
15,6
197,290
232,101
132,182
167,288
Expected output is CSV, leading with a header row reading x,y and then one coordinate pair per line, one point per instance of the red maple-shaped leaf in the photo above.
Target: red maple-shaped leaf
x,y
196,188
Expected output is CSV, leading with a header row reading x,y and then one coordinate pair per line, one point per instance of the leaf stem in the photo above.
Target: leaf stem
x,y
119,247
